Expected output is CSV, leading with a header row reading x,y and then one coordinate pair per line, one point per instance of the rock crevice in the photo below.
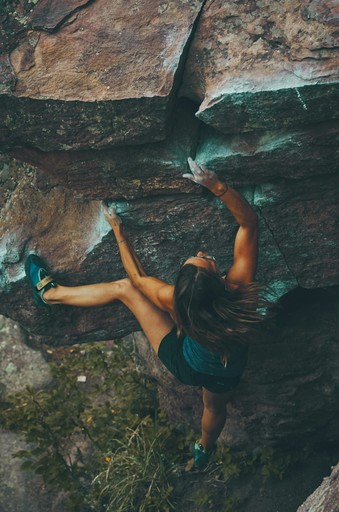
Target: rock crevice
x,y
265,220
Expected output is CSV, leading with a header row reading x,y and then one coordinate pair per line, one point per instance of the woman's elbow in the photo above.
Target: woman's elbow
x,y
136,280
251,221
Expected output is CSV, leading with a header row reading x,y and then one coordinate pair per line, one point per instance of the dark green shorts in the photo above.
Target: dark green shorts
x,y
171,355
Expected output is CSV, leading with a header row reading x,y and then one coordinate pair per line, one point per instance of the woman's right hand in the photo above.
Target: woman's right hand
x,y
201,175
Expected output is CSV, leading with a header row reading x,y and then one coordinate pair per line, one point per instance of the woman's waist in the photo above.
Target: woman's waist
x,y
202,360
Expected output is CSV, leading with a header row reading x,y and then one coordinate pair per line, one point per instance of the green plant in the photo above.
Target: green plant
x,y
229,466
107,430
105,442
203,498
137,474
210,500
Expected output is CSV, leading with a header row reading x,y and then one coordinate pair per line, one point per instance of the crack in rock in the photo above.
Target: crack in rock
x,y
49,15
274,238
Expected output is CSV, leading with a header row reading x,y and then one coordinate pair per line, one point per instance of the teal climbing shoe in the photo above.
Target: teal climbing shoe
x,y
39,278
201,457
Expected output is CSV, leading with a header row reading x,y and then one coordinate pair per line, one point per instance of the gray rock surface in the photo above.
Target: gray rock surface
x,y
326,497
22,491
20,366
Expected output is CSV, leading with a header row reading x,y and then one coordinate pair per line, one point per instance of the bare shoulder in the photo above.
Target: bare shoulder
x,y
230,284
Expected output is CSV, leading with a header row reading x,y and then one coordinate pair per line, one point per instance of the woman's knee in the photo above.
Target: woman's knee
x,y
216,410
215,403
125,290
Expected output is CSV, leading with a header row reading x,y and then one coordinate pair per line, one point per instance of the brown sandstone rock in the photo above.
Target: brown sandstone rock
x,y
326,497
50,14
37,217
141,171
311,252
261,65
104,76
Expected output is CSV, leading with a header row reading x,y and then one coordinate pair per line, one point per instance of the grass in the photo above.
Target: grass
x,y
105,443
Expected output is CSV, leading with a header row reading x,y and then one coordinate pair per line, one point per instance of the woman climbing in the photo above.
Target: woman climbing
x,y
199,326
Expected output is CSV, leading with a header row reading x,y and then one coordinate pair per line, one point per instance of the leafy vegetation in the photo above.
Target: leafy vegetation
x,y
97,434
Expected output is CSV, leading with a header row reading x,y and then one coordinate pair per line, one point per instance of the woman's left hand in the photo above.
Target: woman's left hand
x,y
111,215
201,175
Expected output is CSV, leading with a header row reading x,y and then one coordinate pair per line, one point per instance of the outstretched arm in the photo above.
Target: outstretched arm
x,y
156,290
244,264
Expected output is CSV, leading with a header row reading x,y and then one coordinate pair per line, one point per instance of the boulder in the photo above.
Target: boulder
x,y
94,74
242,160
264,65
326,497
271,155
20,366
88,101
70,233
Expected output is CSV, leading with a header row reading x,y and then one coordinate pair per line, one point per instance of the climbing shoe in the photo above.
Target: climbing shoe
x,y
201,457
39,278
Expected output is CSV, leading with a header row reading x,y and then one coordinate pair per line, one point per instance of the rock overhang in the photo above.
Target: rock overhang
x,y
287,107
129,171
104,76
134,149
267,66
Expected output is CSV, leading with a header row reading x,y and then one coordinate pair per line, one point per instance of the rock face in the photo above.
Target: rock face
x,y
20,366
90,110
93,74
124,172
326,497
267,65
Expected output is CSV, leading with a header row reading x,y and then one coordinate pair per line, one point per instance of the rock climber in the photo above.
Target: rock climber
x,y
199,326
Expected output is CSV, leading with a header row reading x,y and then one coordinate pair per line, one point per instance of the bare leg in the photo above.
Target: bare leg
x,y
214,417
90,295
154,322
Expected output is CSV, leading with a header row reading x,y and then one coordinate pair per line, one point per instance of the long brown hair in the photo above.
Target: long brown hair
x,y
211,314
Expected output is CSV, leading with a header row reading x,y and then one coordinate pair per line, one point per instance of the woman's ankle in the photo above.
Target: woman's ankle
x,y
52,295
206,446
